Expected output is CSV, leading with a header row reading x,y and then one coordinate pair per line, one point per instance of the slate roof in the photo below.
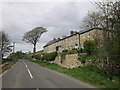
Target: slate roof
x,y
83,31
50,42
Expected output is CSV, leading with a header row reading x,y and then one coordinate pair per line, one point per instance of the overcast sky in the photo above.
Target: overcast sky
x,y
58,17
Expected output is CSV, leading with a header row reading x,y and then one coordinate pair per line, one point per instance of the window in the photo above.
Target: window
x,y
76,44
62,48
57,48
83,36
89,35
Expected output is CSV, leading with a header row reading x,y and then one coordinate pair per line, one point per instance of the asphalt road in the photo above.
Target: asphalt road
x,y
26,74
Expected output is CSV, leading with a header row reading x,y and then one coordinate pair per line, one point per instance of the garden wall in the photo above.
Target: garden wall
x,y
70,61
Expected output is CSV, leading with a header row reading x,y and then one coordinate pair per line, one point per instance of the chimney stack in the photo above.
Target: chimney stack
x,y
73,32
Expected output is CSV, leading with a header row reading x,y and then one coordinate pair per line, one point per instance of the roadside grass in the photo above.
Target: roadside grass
x,y
89,74
7,65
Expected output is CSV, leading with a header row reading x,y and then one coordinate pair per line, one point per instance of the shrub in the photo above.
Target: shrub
x,y
45,56
17,55
82,58
89,46
73,51
49,56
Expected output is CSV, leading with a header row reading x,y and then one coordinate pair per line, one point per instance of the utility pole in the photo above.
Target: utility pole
x,y
79,45
13,47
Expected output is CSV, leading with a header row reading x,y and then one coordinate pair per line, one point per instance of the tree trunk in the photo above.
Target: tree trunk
x,y
34,48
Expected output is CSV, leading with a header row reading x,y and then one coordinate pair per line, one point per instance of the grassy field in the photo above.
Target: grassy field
x,y
89,74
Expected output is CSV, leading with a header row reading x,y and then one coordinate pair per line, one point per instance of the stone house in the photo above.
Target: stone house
x,y
74,40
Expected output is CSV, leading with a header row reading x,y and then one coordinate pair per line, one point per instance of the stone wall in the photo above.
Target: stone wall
x,y
71,61
98,63
72,41
58,60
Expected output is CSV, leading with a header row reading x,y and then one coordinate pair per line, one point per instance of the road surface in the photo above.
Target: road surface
x,y
26,74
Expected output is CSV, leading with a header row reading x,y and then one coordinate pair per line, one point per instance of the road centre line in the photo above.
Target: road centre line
x,y
30,73
26,66
28,70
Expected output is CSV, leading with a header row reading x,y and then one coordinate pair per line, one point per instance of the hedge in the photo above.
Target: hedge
x,y
45,56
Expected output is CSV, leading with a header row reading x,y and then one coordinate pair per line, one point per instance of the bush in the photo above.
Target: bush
x,y
73,51
89,46
4,60
45,56
17,55
82,58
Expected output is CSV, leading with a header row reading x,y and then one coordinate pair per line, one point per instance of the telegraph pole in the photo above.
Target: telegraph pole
x,y
79,45
13,47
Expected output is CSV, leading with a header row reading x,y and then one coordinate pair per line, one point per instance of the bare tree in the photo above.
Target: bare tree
x,y
111,35
5,46
33,36
92,20
109,45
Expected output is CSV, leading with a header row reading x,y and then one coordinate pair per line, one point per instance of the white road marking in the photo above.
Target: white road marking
x,y
28,70
30,73
26,66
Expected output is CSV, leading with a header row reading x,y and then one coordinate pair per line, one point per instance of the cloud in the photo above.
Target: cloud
x,y
0,16
58,18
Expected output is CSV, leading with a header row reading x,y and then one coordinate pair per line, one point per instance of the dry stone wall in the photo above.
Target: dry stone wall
x,y
71,61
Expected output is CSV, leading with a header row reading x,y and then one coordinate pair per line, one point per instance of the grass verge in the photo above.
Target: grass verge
x,y
7,65
89,74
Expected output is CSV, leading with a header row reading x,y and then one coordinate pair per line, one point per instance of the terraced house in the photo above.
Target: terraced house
x,y
74,40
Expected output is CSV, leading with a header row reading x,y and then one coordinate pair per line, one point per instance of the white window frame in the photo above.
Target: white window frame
x,y
89,35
